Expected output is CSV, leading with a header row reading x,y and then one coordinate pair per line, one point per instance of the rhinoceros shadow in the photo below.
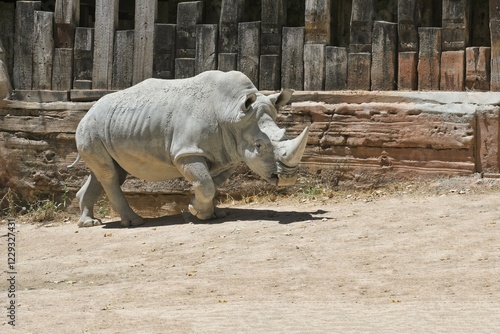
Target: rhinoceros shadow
x,y
233,215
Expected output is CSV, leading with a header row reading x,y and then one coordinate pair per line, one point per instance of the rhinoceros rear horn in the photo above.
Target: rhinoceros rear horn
x,y
291,151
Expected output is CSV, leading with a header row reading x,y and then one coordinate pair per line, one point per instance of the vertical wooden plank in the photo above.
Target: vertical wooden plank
x,y
452,70
455,31
409,19
314,66
358,71
228,62
206,48
292,61
231,14
317,21
66,18
22,76
384,55
189,14
361,26
336,68
495,55
184,68
123,59
7,24
164,51
62,74
429,58
273,17
477,68
83,56
249,50
106,21
145,16
43,50
269,72
5,85
494,10
407,70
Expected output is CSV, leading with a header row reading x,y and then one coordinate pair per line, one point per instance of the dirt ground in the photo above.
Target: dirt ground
x,y
413,258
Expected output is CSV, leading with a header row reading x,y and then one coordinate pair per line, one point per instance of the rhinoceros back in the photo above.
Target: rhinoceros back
x,y
146,127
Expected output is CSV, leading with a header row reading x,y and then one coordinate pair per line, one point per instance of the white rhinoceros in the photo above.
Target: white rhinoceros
x,y
198,128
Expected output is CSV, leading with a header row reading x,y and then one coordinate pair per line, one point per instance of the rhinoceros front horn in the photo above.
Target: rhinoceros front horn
x,y
290,152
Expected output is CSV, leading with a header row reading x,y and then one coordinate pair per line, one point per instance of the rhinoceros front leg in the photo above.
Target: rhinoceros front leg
x,y
196,171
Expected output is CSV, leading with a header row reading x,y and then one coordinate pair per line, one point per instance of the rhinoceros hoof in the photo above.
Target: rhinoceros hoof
x,y
89,222
132,222
200,215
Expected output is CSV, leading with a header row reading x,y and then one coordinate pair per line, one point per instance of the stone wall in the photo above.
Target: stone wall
x,y
367,138
80,49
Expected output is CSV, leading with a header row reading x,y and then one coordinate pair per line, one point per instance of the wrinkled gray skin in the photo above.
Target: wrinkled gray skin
x,y
198,128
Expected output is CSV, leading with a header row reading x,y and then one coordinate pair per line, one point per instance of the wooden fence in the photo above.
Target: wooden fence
x,y
79,52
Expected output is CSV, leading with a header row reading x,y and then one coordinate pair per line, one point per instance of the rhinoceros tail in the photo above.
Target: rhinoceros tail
x,y
74,163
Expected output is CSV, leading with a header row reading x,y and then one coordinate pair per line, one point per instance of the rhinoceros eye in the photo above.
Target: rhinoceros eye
x,y
259,145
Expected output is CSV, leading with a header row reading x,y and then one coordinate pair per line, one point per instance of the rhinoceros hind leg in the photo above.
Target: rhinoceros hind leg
x,y
88,196
111,176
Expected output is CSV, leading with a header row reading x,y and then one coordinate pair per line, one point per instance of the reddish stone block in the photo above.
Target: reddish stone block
x,y
452,70
407,71
477,68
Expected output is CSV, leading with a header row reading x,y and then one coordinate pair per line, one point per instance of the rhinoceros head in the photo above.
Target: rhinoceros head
x,y
265,147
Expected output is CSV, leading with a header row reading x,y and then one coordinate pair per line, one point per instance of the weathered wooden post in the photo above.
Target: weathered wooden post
x,y
452,71
455,22
62,72
83,58
477,68
5,85
317,36
273,16
106,21
43,50
455,38
360,47
23,43
66,18
189,14
206,48
164,51
336,68
292,62
409,20
384,56
230,16
314,66
318,21
495,44
145,17
429,58
7,24
249,50
361,26
123,60
228,61
359,70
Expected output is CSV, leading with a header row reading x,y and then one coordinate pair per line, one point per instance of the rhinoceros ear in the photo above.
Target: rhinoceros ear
x,y
249,100
281,98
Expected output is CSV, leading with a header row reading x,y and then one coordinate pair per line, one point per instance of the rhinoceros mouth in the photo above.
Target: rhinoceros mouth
x,y
287,176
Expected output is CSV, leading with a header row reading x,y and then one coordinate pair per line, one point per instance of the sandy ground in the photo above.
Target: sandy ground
x,y
413,260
